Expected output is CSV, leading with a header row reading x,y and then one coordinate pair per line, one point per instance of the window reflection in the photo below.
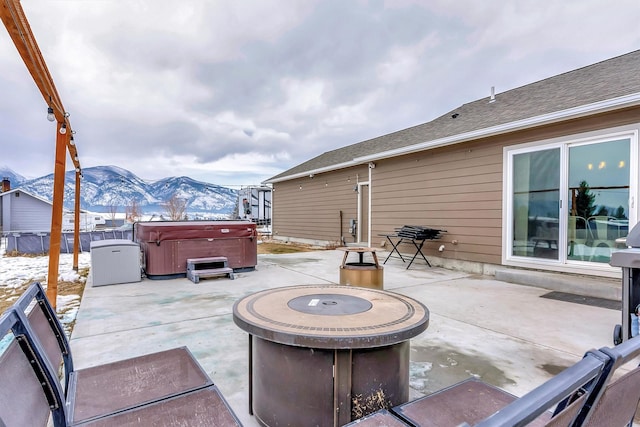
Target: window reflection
x,y
598,197
536,183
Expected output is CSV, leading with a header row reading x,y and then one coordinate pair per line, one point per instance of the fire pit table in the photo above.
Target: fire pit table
x,y
327,355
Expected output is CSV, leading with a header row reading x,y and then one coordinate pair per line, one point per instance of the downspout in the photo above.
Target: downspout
x,y
371,166
340,235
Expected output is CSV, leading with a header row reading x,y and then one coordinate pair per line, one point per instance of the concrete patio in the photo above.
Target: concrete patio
x,y
507,334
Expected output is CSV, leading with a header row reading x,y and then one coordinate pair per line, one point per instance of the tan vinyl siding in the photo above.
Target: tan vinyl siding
x,y
313,211
457,188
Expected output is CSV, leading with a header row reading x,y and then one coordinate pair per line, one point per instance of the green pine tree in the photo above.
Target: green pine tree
x,y
585,200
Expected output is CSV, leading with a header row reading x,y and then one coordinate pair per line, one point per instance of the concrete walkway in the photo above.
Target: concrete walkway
x,y
504,333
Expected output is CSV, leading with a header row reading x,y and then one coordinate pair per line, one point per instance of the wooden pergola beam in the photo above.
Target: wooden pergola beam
x,y
15,21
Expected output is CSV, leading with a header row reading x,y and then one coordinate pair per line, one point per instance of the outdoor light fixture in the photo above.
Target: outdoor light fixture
x,y
63,129
50,116
71,142
66,114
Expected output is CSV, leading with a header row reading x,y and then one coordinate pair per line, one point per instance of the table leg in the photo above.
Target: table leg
x,y
375,259
418,251
394,249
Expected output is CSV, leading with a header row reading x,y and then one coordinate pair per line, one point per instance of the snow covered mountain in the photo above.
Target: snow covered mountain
x,y
14,177
105,187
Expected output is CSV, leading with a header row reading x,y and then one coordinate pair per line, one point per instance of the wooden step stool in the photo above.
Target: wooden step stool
x,y
208,267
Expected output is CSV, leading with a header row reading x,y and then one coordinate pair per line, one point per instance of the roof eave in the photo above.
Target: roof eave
x,y
558,116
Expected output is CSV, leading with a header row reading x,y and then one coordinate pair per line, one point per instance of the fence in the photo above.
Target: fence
x,y
38,243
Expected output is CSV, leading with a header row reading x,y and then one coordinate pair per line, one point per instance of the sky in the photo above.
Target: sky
x,y
233,92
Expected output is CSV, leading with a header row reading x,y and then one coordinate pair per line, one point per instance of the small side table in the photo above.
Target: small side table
x,y
361,273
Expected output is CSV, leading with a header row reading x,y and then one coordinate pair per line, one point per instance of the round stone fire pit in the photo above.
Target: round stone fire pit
x,y
326,355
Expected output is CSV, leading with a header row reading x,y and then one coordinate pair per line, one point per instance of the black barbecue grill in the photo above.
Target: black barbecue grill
x,y
629,260
414,234
418,233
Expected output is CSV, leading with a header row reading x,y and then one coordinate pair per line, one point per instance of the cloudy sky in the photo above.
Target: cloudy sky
x,y
232,92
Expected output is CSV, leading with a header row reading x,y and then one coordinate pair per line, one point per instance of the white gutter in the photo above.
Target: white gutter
x,y
570,113
313,171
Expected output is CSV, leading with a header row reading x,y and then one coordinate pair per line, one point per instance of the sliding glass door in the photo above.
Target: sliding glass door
x,y
569,202
598,199
536,202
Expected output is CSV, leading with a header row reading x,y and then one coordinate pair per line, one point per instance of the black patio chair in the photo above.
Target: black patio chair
x,y
29,390
163,381
474,402
617,405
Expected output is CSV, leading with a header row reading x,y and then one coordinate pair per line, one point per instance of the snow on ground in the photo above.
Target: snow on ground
x,y
15,272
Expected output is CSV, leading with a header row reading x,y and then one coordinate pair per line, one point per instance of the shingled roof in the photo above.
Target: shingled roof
x,y
604,86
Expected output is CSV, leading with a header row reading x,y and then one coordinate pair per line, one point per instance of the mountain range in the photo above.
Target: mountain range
x,y
104,188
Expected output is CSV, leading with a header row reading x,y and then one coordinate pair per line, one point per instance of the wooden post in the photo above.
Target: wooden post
x,y
56,215
13,17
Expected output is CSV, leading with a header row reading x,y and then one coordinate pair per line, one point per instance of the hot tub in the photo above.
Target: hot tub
x,y
166,245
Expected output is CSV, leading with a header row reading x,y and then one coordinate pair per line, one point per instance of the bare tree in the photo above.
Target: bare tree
x,y
236,212
175,208
133,212
113,210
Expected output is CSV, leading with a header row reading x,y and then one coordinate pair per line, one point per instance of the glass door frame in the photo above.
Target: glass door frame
x,y
564,144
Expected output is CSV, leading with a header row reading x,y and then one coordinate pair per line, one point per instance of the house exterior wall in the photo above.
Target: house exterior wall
x,y
456,188
21,212
308,209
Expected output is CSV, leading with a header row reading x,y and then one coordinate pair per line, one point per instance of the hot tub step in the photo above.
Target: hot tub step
x,y
195,275
208,267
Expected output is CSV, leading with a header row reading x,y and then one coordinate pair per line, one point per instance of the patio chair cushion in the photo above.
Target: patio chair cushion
x,y
380,418
126,383
203,407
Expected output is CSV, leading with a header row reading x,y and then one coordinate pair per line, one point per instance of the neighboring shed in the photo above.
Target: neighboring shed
x,y
21,211
543,176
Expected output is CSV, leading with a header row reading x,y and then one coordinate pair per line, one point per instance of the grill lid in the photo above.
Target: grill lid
x,y
633,239
629,258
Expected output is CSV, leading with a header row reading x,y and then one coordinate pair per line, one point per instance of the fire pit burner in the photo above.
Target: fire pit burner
x,y
329,304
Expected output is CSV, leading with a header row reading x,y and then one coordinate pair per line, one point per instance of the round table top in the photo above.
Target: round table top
x,y
356,249
334,316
